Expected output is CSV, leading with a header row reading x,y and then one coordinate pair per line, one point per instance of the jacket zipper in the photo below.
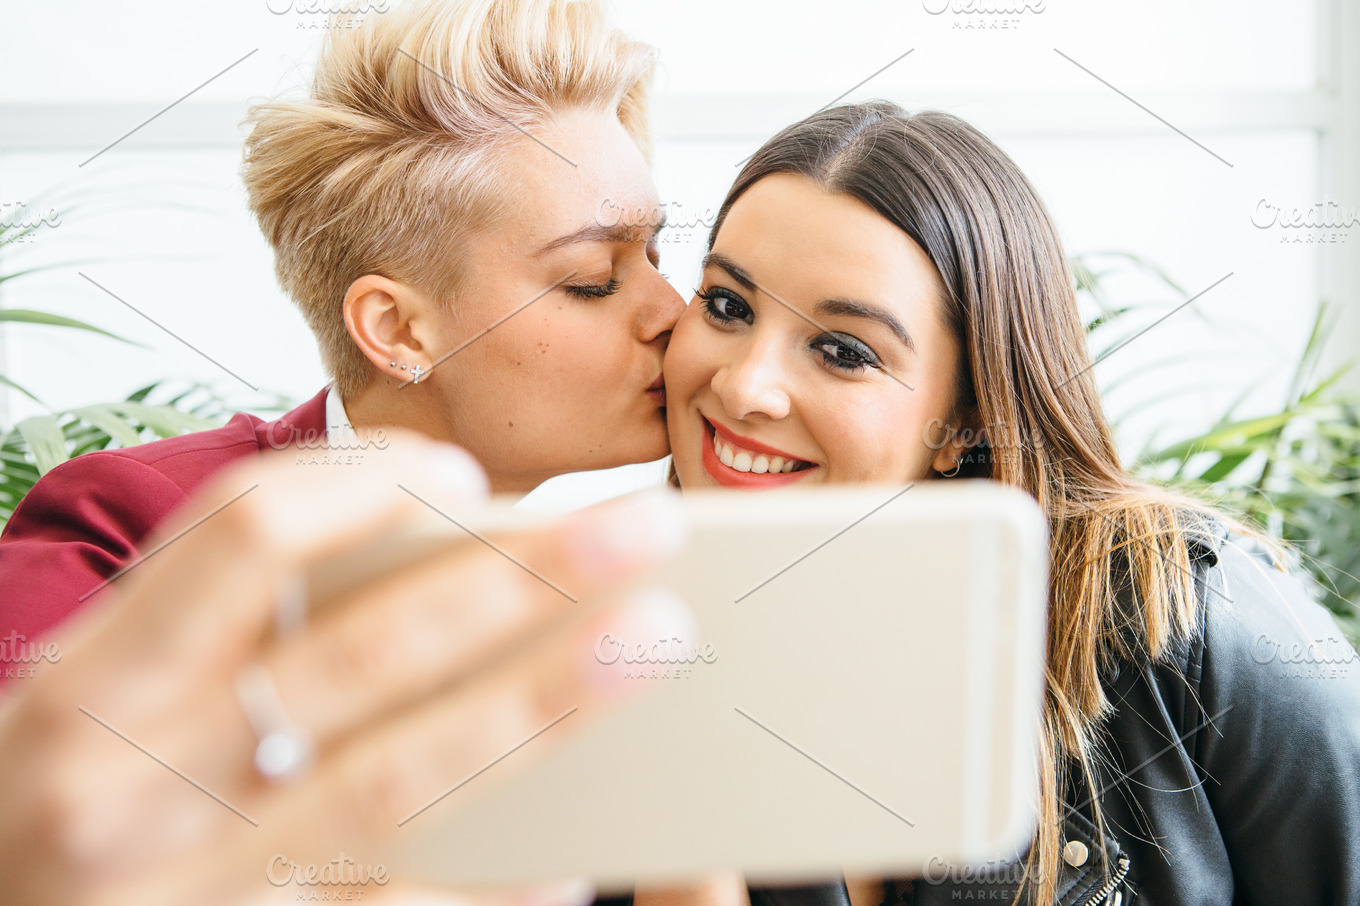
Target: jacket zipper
x,y
1102,896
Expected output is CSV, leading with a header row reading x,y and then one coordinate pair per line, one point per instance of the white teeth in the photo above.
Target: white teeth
x,y
746,461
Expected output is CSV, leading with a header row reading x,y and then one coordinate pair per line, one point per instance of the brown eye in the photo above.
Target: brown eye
x,y
845,353
725,306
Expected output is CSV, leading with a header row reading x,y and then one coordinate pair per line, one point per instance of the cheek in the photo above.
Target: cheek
x,y
686,366
875,438
570,349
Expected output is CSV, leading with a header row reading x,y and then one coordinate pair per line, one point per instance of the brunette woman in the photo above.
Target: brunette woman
x,y
885,298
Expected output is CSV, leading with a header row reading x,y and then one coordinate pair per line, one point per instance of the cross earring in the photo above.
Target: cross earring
x,y
416,372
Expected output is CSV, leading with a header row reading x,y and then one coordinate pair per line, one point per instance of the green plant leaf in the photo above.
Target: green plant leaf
x,y
108,422
45,440
26,316
8,383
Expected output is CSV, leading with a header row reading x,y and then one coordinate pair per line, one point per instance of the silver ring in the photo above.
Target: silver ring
x,y
284,750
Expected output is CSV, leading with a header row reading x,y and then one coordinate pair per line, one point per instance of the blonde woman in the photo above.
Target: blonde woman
x,y
885,298
434,208
432,205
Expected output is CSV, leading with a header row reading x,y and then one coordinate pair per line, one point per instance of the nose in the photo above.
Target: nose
x,y
662,308
754,382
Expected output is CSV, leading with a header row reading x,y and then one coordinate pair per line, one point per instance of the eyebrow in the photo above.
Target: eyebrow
x,y
827,307
597,232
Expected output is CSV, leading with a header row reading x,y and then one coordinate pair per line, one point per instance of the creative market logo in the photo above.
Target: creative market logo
x,y
320,882
662,659
984,15
17,653
20,223
1322,222
327,14
1329,658
681,222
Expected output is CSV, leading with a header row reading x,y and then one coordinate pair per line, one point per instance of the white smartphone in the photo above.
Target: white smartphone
x,y
863,696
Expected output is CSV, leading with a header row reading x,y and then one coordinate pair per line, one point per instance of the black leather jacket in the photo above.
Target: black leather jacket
x,y
1235,765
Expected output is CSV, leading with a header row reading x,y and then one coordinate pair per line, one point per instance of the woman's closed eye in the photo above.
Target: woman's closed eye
x,y
593,290
839,351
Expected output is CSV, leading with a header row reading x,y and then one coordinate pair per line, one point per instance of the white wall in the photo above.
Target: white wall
x,y
1257,84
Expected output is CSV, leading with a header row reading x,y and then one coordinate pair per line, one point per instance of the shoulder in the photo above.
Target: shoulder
x,y
145,479
172,468
1266,688
1264,633
1280,749
184,461
1280,682
86,518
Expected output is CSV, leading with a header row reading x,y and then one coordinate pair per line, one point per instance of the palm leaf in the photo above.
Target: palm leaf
x,y
46,444
27,316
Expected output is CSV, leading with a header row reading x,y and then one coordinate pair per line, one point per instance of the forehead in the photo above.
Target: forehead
x,y
789,232
581,169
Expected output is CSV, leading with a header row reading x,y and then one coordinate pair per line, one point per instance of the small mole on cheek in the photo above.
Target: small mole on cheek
x,y
512,424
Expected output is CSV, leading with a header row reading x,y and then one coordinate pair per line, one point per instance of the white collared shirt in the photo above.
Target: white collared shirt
x,y
339,431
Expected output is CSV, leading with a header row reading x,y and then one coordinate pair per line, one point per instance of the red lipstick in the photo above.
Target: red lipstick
x,y
732,478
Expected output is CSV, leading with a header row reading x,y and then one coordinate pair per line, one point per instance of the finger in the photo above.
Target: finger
x,y
430,625
204,599
727,889
353,800
383,787
426,627
130,664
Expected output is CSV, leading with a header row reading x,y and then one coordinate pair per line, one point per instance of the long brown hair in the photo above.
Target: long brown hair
x,y
1010,302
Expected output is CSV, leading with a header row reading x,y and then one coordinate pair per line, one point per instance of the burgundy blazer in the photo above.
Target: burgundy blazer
x,y
86,519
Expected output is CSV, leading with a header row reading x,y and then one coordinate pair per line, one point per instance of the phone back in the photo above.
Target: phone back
x,y
863,695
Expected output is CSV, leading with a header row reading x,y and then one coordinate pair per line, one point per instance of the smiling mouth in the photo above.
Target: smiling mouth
x,y
739,459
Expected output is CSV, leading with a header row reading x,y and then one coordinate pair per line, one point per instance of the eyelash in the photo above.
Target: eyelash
x,y
866,356
594,290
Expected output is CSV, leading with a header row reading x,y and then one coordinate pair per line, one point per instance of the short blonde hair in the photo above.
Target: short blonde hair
x,y
390,161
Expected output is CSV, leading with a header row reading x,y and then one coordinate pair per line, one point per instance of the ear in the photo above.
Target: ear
x,y
962,438
384,318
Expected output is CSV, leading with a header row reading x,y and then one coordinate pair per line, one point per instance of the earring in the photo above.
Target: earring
x,y
416,372
958,464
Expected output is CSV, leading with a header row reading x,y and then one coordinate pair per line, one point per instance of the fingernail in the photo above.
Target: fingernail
x,y
652,615
644,527
455,472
